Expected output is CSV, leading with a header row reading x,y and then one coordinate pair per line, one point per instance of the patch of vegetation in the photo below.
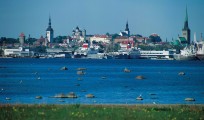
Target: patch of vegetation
x,y
101,112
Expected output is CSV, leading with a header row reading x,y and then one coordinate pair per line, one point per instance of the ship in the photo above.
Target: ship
x,y
200,50
134,53
93,53
122,54
188,53
157,55
80,53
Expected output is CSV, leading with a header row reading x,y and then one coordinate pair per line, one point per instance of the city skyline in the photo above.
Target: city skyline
x,y
163,17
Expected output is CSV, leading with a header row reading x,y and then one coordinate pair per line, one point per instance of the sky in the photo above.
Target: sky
x,y
164,17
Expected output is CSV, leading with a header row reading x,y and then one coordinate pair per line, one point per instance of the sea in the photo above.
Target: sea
x,y
22,79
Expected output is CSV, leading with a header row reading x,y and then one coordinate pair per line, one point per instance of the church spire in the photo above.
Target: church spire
x,y
127,28
186,21
186,30
49,24
186,15
49,31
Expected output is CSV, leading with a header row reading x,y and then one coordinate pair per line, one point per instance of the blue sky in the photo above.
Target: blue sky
x,y
164,17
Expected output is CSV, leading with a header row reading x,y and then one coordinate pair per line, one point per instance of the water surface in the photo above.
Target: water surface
x,y
24,79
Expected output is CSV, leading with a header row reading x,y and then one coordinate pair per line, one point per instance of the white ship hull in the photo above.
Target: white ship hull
x,y
200,56
182,57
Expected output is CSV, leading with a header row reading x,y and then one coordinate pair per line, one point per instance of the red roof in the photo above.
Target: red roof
x,y
22,35
85,45
101,36
127,42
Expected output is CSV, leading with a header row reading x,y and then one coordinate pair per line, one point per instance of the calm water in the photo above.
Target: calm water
x,y
19,82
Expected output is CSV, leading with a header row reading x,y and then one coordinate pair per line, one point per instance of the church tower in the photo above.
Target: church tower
x,y
127,29
186,32
49,32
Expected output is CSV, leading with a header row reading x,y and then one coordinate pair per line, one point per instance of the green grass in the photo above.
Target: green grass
x,y
101,112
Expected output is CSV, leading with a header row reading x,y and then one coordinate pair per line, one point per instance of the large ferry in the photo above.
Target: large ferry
x,y
166,55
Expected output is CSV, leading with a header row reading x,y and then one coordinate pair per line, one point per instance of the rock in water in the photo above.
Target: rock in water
x,y
140,77
189,99
72,95
38,97
8,98
181,73
139,98
80,73
126,70
90,96
64,68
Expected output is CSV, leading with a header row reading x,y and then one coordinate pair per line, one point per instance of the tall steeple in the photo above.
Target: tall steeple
x,y
49,24
127,28
127,31
186,20
49,32
186,32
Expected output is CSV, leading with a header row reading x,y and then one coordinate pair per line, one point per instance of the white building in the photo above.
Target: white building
x,y
100,38
79,34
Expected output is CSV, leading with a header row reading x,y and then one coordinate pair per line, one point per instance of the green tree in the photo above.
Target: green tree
x,y
155,38
59,39
116,47
108,34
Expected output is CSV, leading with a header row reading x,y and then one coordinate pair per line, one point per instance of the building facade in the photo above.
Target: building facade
x,y
100,38
22,39
78,34
49,32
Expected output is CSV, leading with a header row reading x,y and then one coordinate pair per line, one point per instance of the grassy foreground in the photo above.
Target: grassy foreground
x,y
101,112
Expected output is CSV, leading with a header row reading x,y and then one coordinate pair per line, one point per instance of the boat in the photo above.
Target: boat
x,y
80,53
188,53
134,53
93,53
157,55
200,50
122,54
110,55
